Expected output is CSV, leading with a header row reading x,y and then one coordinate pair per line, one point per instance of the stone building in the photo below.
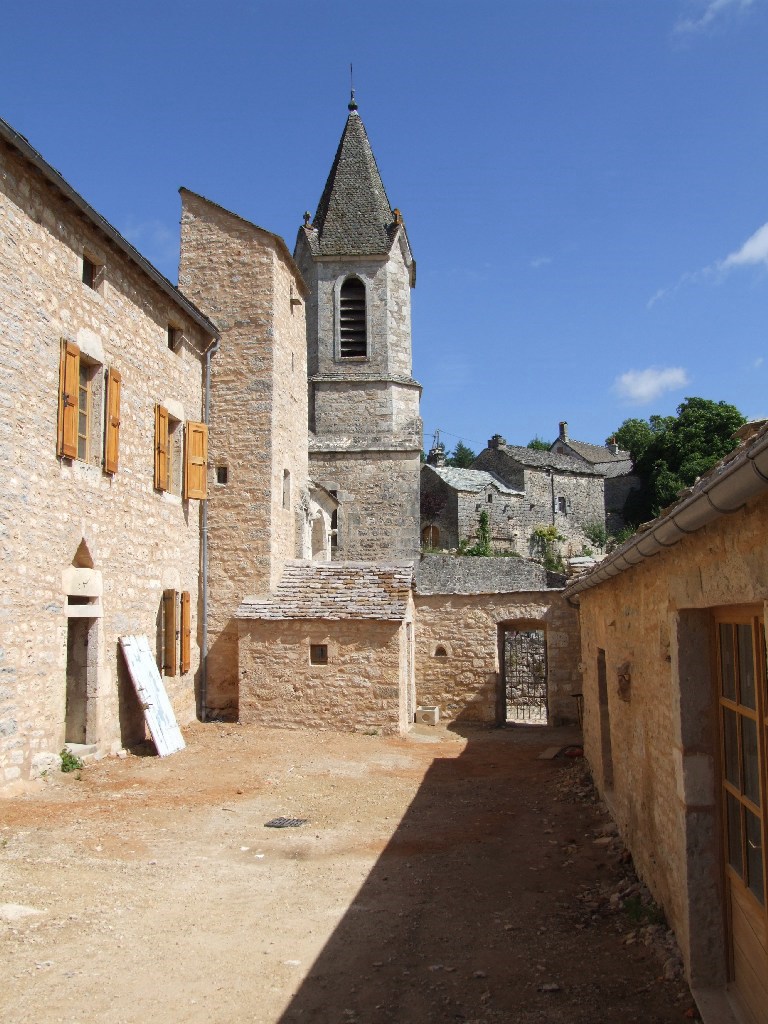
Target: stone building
x,y
261,512
676,719
610,460
558,492
330,648
452,500
366,434
104,470
471,614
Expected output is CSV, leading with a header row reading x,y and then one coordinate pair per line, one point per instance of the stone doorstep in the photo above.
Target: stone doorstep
x,y
715,1007
85,751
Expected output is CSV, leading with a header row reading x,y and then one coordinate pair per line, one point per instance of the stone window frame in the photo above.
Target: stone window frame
x,y
88,400
443,646
337,289
92,271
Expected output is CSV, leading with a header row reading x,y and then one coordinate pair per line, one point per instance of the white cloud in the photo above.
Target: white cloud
x,y
540,261
752,253
641,386
709,12
758,362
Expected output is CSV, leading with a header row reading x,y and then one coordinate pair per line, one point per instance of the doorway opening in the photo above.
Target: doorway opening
x,y
82,674
523,650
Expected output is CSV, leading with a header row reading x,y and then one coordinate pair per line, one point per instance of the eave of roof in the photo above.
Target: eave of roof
x,y
741,475
16,141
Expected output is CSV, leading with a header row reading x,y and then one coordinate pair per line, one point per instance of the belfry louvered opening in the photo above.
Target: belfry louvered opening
x,y
352,319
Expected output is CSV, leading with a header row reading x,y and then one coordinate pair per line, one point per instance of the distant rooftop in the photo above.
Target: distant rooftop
x,y
471,479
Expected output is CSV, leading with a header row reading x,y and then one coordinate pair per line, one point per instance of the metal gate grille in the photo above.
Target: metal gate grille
x,y
525,675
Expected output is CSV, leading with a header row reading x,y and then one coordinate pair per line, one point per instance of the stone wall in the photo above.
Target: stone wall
x,y
56,511
651,741
243,278
362,688
378,517
465,682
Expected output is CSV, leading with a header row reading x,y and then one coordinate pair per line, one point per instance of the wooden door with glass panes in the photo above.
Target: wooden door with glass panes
x,y
743,706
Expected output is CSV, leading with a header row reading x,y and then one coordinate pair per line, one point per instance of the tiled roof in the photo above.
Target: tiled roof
x,y
335,590
471,479
354,216
597,452
542,460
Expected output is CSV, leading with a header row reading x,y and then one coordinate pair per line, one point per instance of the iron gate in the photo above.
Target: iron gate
x,y
525,675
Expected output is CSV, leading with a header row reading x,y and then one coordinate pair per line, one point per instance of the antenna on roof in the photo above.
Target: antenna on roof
x,y
352,105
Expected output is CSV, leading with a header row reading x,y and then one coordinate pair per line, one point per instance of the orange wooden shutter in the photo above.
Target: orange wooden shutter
x,y
112,438
186,630
170,663
196,460
69,381
161,448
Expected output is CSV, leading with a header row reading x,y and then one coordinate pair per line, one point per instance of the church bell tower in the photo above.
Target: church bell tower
x,y
365,434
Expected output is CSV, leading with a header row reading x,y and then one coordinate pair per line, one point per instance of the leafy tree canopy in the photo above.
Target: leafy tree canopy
x,y
670,452
539,444
461,457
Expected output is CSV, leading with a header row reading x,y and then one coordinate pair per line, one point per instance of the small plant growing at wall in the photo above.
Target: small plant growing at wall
x,y
482,547
596,532
69,761
544,541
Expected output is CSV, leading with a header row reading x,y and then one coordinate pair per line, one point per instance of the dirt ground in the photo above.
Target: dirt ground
x,y
438,878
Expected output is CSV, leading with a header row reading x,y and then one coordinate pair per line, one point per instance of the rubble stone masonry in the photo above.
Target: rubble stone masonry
x,y
59,512
651,730
245,280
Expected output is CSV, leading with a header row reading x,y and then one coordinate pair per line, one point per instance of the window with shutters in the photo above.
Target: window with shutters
x,y
81,402
195,460
353,321
186,632
169,460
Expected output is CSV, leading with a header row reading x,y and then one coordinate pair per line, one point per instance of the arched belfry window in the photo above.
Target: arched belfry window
x,y
352,319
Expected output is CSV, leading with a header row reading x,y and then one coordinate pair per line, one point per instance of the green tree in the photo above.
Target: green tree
x,y
538,444
670,452
482,547
462,457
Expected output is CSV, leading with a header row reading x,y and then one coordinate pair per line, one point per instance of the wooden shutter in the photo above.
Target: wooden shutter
x,y
69,380
112,431
170,661
161,448
186,631
196,460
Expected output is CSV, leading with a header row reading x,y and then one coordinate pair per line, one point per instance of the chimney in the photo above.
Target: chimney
x,y
497,441
613,447
436,456
563,430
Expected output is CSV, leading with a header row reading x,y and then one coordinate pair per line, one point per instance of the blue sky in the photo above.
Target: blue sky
x,y
584,182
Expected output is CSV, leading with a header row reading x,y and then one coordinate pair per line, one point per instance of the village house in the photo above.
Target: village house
x,y
610,460
676,719
104,466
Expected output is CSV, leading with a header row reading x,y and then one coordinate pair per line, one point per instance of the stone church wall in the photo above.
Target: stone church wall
x,y
56,511
237,274
379,493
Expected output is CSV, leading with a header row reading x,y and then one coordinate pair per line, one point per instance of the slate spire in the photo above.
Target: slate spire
x,y
354,216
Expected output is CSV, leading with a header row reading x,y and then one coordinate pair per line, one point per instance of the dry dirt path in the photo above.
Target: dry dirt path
x,y
440,878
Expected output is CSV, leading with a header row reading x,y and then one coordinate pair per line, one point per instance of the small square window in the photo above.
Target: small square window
x,y
318,654
174,337
490,497
222,474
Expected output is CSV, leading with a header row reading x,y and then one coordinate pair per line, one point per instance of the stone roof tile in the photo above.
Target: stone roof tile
x,y
335,590
471,479
354,215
